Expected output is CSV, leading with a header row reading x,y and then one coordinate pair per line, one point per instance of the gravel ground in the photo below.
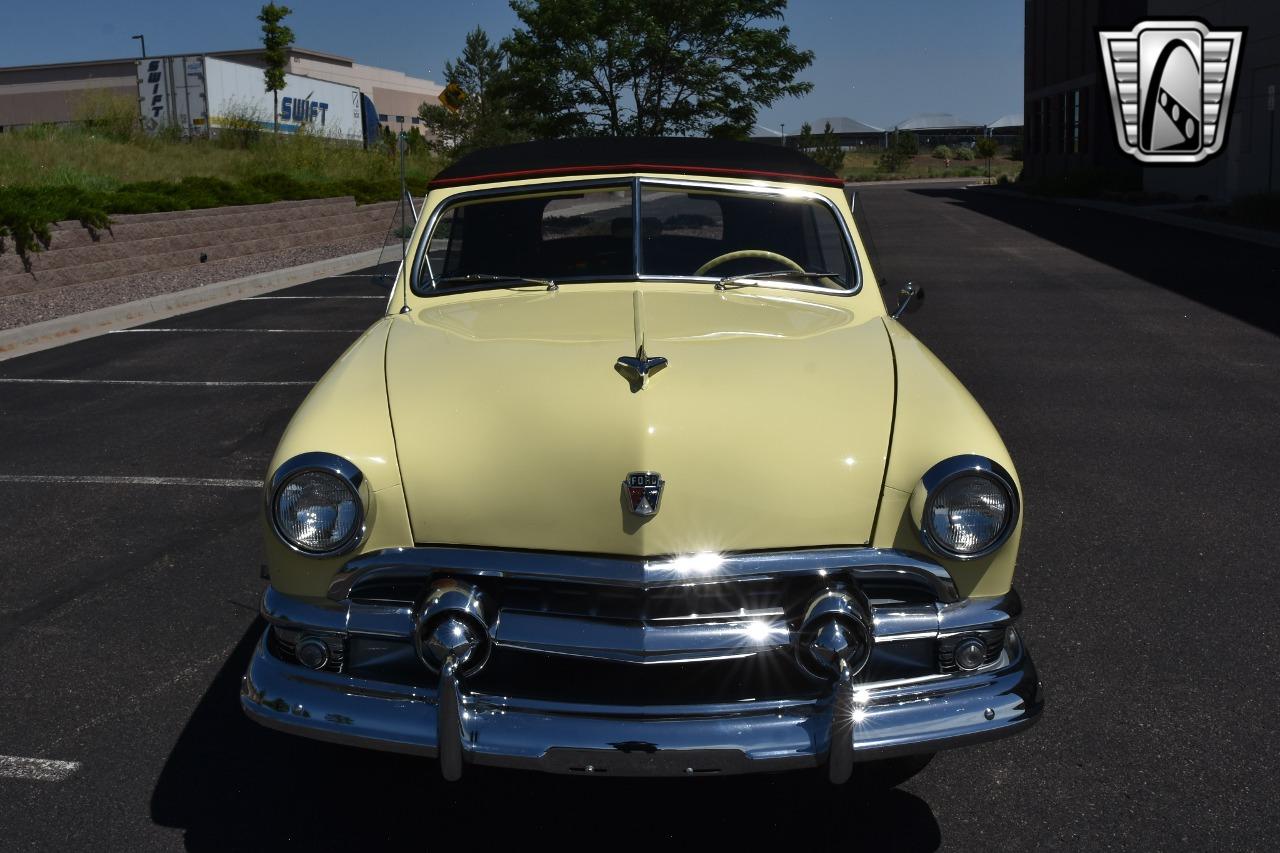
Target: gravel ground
x,y
26,308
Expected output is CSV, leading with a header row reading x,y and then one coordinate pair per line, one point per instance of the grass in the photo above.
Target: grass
x,y
86,174
50,157
865,166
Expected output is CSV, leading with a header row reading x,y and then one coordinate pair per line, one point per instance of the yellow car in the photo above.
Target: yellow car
x,y
638,477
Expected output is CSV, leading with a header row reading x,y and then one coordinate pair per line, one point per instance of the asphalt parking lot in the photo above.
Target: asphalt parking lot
x,y
1132,368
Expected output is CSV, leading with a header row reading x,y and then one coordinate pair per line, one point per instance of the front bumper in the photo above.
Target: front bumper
x,y
888,720
562,726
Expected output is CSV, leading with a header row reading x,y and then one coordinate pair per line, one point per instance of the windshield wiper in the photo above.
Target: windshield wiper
x,y
489,276
744,279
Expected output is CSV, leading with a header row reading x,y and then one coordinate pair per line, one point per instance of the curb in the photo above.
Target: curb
x,y
1164,217
76,327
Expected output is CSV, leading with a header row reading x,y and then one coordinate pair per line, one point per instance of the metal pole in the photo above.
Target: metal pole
x,y
142,39
404,188
784,135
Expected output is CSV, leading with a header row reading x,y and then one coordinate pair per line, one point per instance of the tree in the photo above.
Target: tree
x,y
477,114
902,146
276,41
650,67
908,143
828,152
804,139
986,148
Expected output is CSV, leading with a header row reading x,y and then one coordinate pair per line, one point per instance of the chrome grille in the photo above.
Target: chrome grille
x,y
757,596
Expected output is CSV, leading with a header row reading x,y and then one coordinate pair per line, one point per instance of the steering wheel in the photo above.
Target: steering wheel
x,y
748,253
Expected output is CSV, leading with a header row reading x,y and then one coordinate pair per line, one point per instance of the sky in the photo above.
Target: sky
x,y
879,62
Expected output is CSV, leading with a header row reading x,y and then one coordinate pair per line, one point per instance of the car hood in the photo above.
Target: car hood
x,y
769,425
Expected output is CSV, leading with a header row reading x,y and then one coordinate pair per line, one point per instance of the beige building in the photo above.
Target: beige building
x,y
52,94
38,94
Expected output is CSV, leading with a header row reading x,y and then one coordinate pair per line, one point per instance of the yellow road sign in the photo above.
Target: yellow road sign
x,y
452,97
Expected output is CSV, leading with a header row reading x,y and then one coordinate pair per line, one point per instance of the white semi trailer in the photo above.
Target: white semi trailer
x,y
198,95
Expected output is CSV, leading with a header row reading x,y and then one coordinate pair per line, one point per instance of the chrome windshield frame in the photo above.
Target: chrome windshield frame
x,y
422,280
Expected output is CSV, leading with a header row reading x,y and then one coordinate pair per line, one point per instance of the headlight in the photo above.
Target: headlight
x,y
316,506
970,507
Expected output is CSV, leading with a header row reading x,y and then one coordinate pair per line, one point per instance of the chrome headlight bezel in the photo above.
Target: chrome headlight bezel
x,y
335,466
947,472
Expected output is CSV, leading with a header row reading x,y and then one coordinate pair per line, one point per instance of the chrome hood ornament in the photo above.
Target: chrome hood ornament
x,y
643,490
637,370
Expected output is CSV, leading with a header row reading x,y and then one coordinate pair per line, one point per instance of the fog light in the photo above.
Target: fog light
x,y
312,653
971,653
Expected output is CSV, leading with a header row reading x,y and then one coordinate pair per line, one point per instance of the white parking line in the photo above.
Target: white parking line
x,y
290,331
283,383
328,296
93,479
39,769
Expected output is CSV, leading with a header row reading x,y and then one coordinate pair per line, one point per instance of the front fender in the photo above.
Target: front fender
x,y
935,418
346,414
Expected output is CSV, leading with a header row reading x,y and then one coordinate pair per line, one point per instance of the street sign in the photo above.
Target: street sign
x,y
452,97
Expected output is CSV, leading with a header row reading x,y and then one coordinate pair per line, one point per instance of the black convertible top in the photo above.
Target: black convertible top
x,y
605,154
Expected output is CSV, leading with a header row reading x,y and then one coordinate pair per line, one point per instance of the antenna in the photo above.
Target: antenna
x,y
406,205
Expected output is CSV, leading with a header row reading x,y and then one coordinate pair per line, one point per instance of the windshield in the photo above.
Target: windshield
x,y
588,233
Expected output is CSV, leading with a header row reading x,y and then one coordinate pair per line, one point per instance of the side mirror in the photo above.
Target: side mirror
x,y
909,299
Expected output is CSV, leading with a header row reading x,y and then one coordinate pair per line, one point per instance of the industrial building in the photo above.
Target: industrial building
x,y
1007,130
930,128
851,132
941,129
52,94
1071,134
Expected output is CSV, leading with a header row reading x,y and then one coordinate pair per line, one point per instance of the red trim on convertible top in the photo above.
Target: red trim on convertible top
x,y
635,167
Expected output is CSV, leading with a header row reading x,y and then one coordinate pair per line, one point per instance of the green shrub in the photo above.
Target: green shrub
x,y
892,159
104,112
37,132
986,148
49,174
943,152
963,153
903,145
239,126
25,216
